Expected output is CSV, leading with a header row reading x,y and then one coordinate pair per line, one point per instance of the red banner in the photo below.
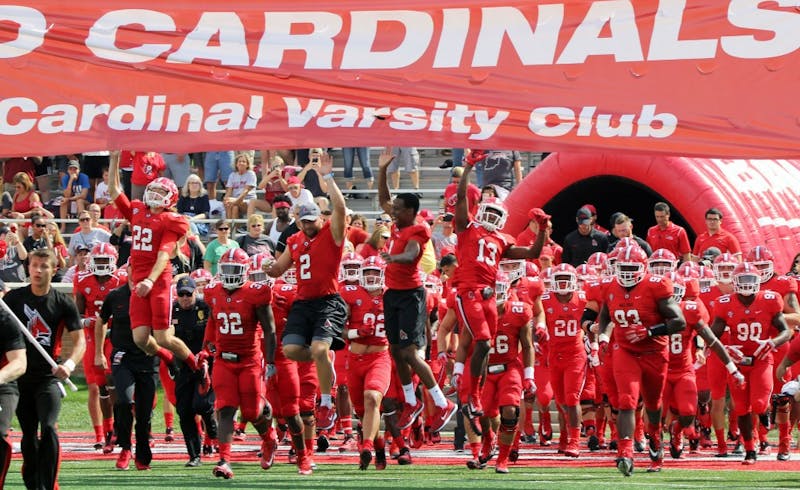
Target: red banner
x,y
671,76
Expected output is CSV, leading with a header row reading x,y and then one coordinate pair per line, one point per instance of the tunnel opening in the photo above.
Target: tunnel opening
x,y
609,194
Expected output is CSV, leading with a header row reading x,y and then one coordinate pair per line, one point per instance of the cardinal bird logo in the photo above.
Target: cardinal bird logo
x,y
38,327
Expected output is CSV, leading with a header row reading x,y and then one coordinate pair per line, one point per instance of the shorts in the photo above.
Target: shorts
x,y
567,376
283,390
217,166
239,384
318,319
754,397
502,390
680,393
407,156
405,317
638,373
368,372
478,315
155,309
93,165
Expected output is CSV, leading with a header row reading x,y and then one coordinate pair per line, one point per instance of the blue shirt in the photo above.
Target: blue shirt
x,y
78,185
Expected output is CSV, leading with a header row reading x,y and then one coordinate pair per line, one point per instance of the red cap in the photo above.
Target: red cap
x,y
537,213
293,180
426,215
447,251
591,208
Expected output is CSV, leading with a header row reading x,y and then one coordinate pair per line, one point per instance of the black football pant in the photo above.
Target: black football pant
x,y
189,402
135,388
37,412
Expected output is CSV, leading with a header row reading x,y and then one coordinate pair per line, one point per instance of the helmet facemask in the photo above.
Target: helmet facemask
x,y
629,274
371,278
232,275
746,283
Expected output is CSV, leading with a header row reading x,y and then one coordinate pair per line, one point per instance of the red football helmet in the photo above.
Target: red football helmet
x,y
746,279
565,279
531,269
763,260
705,277
371,277
586,273
350,267
723,266
514,268
678,286
662,262
631,266
103,259
201,277
233,268
626,242
491,214
599,261
502,285
161,193
547,279
257,263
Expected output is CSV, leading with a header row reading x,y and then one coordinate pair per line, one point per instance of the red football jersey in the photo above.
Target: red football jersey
x,y
283,295
233,326
748,323
793,354
450,198
86,284
317,260
596,291
479,252
782,285
365,309
505,349
639,305
564,322
709,296
406,276
680,344
150,233
528,289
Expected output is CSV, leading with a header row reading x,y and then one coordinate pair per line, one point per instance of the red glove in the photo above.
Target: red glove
x,y
541,332
205,378
474,157
764,349
636,333
202,356
528,388
367,329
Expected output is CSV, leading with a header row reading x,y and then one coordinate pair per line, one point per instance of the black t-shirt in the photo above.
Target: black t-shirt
x,y
289,231
10,338
192,206
190,325
117,307
46,317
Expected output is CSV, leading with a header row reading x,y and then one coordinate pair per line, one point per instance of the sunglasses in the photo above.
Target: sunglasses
x,y
223,229
85,219
184,294
39,225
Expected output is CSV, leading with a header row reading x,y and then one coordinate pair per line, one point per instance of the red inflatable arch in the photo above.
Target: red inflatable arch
x,y
758,198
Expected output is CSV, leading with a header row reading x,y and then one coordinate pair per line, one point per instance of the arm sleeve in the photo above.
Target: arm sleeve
x,y
124,206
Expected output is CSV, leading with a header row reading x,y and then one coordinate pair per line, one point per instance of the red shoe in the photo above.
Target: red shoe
x,y
405,457
675,440
304,465
141,466
268,449
442,416
572,450
326,417
349,444
223,470
108,446
239,435
410,414
124,459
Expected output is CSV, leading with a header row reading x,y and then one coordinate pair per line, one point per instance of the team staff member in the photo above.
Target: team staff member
x,y
46,312
193,395
404,301
580,244
135,374
318,315
12,365
668,235
715,236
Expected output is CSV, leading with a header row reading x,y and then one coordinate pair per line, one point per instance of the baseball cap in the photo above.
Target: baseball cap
x,y
186,285
537,213
591,208
293,180
281,204
308,212
448,217
74,163
711,253
81,247
426,215
584,216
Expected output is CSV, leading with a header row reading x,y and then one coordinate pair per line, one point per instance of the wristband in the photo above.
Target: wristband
x,y
328,176
541,326
352,334
458,368
528,372
69,364
148,280
731,367
658,330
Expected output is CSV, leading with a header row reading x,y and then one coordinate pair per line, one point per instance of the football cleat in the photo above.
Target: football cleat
x,y
442,416
223,470
108,445
193,463
593,443
739,449
409,414
124,459
513,456
675,440
380,458
268,449
322,443
501,468
764,449
625,466
170,435
638,446
476,464
750,458
405,457
472,416
326,417
141,466
364,459
349,444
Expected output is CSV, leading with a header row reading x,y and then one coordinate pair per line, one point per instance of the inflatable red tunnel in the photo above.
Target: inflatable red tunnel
x,y
758,198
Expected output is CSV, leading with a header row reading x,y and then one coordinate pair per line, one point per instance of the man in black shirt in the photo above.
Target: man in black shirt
x,y
14,363
46,312
583,242
135,375
189,317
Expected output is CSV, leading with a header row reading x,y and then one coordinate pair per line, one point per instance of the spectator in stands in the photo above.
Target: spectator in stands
x,y
94,214
409,158
217,166
25,202
274,183
383,219
12,166
38,237
349,155
502,168
490,191
60,249
189,252
147,167
355,228
80,259
443,235
794,268
375,244
75,185
290,230
666,234
193,203
12,267
94,163
254,241
101,194
583,242
283,218
528,236
297,194
311,177
623,227
121,238
240,187
179,166
218,246
473,193
88,236
715,236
